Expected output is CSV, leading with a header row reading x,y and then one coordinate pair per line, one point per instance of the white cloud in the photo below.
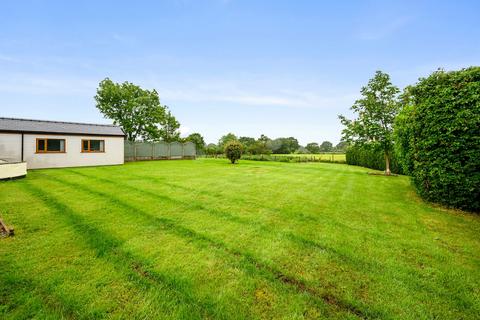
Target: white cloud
x,y
25,83
230,93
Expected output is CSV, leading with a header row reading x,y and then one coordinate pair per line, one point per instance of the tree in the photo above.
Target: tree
x,y
212,149
247,143
313,147
259,147
326,146
198,140
225,139
285,145
264,138
233,150
136,110
341,146
376,112
301,150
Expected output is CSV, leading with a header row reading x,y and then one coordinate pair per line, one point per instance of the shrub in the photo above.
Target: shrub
x,y
233,150
372,157
438,137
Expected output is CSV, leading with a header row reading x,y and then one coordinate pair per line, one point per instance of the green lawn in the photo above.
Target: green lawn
x,y
206,239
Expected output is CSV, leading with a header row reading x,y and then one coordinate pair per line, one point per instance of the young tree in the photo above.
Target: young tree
x,y
326,146
376,112
313,147
233,150
169,128
198,140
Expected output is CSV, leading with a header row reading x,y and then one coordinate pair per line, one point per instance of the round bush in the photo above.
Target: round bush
x,y
439,137
233,150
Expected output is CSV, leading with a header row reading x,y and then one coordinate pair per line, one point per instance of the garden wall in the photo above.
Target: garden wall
x,y
12,170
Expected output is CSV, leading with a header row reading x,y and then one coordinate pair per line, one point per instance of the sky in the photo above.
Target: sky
x,y
280,68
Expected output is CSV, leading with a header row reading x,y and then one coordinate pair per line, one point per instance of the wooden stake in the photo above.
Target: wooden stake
x,y
5,230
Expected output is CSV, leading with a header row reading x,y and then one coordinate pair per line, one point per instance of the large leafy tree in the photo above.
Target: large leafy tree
x,y
136,110
375,115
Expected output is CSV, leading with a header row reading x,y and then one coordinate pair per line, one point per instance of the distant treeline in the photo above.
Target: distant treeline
x,y
266,146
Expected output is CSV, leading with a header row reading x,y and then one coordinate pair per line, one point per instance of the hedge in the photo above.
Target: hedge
x,y
439,138
371,157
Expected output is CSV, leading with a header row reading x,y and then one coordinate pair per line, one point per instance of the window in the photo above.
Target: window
x,y
93,145
50,145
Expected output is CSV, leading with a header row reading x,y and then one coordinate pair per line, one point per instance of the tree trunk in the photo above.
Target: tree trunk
x,y
387,164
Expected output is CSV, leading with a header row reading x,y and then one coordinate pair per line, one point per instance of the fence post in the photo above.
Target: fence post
x,y
134,151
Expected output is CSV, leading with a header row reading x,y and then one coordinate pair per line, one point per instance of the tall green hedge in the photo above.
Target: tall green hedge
x,y
438,137
371,157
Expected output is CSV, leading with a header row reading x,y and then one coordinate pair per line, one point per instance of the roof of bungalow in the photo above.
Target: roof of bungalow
x,y
16,125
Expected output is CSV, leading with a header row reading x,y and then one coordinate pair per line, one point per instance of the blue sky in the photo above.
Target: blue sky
x,y
281,68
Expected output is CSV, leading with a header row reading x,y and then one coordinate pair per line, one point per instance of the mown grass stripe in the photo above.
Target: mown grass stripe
x,y
27,284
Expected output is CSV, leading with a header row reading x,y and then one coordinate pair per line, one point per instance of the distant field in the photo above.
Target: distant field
x,y
323,156
208,240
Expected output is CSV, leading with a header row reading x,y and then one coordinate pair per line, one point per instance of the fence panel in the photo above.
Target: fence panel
x,y
161,150
176,150
129,151
189,150
137,151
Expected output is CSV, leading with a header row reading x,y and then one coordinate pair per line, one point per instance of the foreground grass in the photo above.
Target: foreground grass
x,y
205,239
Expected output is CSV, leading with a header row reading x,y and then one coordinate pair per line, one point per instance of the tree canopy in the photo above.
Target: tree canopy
x,y
138,111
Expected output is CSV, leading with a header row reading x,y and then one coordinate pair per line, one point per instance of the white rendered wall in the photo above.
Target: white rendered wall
x,y
73,156
12,170
11,147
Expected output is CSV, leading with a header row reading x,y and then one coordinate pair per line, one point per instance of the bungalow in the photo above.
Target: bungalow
x,y
49,144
